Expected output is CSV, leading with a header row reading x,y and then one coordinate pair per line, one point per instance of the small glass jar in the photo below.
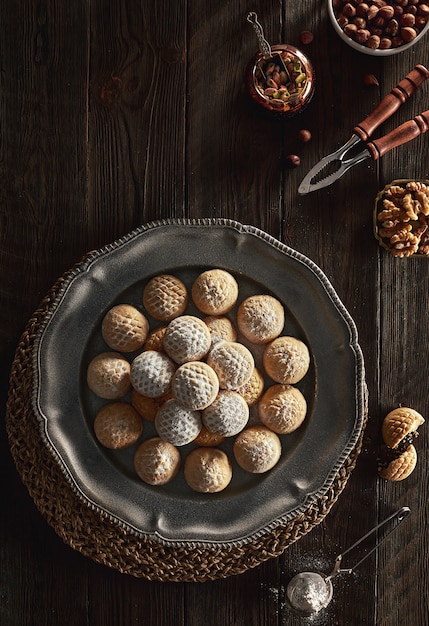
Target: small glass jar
x,y
283,83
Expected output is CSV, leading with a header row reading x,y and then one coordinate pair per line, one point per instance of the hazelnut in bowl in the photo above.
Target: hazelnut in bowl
x,y
282,83
401,217
379,27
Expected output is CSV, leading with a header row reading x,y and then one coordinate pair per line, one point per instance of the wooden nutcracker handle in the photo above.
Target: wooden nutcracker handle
x,y
400,135
391,103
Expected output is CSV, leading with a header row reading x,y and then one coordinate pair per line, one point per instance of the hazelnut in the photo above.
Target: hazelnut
x,y
372,12
362,35
373,42
407,19
362,9
423,9
293,160
350,29
349,10
306,37
420,22
359,22
392,28
408,34
304,135
386,12
370,79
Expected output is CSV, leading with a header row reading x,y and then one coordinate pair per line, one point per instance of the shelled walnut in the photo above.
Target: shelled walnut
x,y
402,218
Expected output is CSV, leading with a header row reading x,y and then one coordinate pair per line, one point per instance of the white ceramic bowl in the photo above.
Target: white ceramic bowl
x,y
365,49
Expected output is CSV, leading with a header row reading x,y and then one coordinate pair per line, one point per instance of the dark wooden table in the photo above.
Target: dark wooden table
x,y
114,114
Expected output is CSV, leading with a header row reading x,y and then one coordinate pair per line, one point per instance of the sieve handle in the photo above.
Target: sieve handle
x,y
397,517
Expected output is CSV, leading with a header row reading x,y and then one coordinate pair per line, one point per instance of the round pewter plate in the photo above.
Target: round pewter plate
x,y
251,505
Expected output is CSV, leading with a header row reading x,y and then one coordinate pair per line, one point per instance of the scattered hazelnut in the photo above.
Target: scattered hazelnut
x,y
293,160
306,37
370,79
304,135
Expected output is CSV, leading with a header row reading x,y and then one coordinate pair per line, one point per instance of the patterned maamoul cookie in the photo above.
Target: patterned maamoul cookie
x,y
400,426
165,297
227,415
286,360
124,328
177,424
187,338
117,425
257,449
207,470
282,408
221,329
207,439
400,466
155,339
253,389
260,318
151,373
108,375
157,461
233,364
195,385
215,292
147,407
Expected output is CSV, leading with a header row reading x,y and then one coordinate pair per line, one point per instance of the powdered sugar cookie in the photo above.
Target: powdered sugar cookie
x,y
207,470
124,328
147,407
253,389
165,297
260,318
155,339
282,408
257,449
215,292
232,362
286,360
177,424
227,415
187,338
221,329
151,373
157,461
195,385
117,425
108,375
207,439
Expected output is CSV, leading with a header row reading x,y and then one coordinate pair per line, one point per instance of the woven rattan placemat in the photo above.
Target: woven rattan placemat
x,y
98,537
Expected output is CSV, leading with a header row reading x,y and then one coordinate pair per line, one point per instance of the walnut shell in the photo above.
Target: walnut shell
x,y
398,424
401,467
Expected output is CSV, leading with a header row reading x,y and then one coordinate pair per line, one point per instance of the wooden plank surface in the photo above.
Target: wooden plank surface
x,y
113,114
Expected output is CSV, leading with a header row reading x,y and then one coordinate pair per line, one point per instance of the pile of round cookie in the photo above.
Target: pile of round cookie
x,y
193,378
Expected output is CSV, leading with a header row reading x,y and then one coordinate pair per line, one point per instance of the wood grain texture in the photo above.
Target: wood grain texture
x,y
113,114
